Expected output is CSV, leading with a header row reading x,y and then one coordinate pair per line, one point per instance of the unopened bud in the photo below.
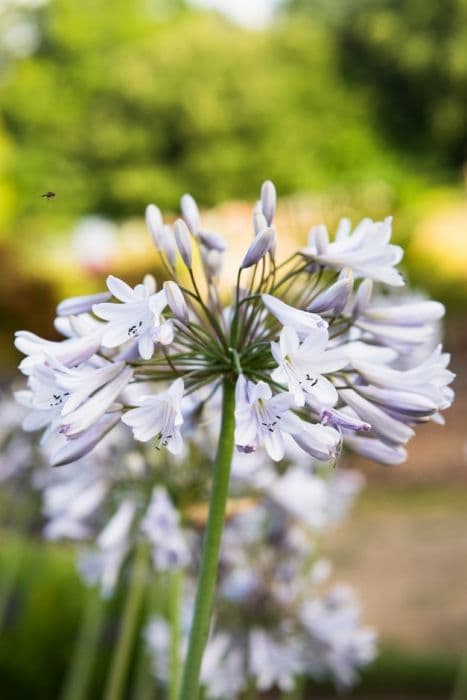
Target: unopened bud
x,y
268,201
176,301
190,213
212,260
182,237
335,298
362,298
168,244
259,222
154,223
81,305
212,241
260,245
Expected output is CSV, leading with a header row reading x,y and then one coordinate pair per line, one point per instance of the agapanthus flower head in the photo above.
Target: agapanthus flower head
x,y
319,355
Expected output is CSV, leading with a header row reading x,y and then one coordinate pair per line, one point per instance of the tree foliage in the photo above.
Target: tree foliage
x,y
119,107
412,55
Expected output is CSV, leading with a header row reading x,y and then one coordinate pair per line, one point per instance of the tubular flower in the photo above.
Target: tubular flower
x,y
366,250
318,354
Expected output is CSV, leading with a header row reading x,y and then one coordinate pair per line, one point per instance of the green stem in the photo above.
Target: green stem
x,y
210,559
144,686
175,599
116,681
8,583
460,683
86,648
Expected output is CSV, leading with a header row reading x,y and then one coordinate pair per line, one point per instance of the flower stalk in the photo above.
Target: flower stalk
x,y
117,679
87,644
212,541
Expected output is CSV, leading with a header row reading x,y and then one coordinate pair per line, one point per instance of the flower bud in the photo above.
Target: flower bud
x,y
168,244
259,222
176,301
212,241
81,305
182,237
212,260
362,298
261,245
164,334
155,224
335,298
268,201
190,213
371,448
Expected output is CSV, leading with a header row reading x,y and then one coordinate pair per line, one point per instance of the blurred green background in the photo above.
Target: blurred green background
x,y
352,108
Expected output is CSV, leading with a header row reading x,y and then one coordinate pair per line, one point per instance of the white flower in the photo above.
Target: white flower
x,y
430,379
337,641
223,670
301,321
302,365
343,487
383,424
273,663
182,238
137,317
320,441
262,419
85,416
82,304
70,352
262,244
57,386
302,494
157,636
375,449
70,499
190,213
176,301
367,250
72,449
268,201
335,298
160,416
103,566
161,526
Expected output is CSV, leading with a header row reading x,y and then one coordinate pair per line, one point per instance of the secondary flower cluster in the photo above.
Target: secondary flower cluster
x,y
276,618
321,353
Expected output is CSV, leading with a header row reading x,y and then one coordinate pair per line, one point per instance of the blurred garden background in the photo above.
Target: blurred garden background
x,y
352,108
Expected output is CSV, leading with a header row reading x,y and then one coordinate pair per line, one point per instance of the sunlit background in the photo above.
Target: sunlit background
x,y
352,108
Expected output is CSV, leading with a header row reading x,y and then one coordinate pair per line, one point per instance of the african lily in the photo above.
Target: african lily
x,y
302,353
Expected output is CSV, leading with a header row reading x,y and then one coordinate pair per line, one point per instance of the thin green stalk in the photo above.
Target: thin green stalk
x,y
79,673
210,558
117,679
8,582
175,599
460,683
144,686
18,513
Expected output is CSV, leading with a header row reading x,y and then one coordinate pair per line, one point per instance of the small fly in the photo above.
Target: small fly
x,y
48,195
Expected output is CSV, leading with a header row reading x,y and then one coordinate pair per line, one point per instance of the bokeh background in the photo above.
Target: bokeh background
x,y
352,108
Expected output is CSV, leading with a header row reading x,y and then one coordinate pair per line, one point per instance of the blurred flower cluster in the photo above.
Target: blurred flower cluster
x,y
279,617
